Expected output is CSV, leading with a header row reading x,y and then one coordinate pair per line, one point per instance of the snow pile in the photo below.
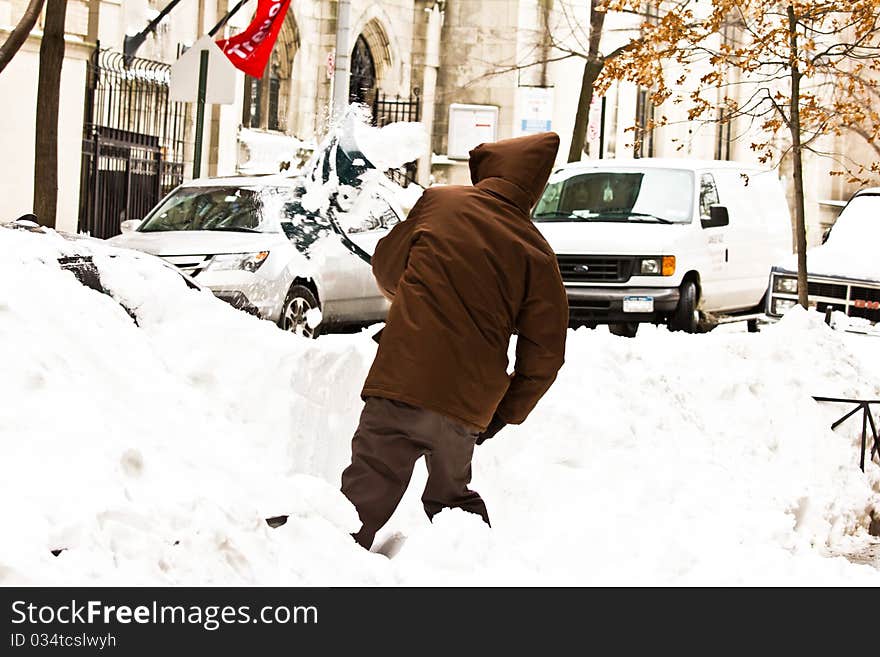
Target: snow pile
x,y
408,196
393,145
152,454
266,152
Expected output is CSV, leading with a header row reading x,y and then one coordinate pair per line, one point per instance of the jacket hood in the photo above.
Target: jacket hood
x,y
517,169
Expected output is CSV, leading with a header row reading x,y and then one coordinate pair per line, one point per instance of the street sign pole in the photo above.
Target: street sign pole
x,y
200,113
202,75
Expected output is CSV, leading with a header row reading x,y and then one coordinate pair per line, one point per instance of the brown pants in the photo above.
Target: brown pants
x,y
389,440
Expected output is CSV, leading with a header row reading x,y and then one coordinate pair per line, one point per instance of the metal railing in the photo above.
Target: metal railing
x,y
133,141
391,110
863,405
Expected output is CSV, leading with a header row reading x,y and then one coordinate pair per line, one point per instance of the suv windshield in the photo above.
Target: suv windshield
x,y
238,209
647,195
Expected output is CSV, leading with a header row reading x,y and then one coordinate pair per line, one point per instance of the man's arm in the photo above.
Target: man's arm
x,y
540,344
392,252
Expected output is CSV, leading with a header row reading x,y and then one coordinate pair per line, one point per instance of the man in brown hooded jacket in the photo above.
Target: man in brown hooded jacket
x,y
464,272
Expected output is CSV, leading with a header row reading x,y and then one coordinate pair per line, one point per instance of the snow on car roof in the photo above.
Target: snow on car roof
x,y
850,252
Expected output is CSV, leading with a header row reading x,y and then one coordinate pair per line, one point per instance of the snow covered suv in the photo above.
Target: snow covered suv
x,y
294,251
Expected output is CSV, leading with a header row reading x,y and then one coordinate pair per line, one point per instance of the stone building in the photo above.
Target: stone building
x,y
470,70
409,58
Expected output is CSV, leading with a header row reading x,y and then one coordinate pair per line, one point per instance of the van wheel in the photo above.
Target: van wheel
x,y
300,300
624,329
685,316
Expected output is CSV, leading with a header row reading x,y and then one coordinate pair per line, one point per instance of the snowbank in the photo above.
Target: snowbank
x,y
152,454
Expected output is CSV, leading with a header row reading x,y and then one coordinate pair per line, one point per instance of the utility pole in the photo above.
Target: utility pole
x,y
342,59
200,113
429,86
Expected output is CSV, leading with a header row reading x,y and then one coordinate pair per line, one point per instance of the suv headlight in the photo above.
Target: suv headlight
x,y
660,266
247,261
785,284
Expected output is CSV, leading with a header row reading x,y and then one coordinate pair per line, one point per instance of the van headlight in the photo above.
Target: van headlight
x,y
785,284
229,261
660,266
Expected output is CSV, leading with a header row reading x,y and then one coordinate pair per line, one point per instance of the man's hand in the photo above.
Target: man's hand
x,y
496,425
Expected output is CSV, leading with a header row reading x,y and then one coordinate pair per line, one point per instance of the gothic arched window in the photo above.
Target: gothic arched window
x,y
266,99
362,84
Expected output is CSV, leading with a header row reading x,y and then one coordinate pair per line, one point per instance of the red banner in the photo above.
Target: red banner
x,y
250,50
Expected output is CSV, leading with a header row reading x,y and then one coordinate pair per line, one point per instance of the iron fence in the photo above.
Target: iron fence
x,y
133,141
390,110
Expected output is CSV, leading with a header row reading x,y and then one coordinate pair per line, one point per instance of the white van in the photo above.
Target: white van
x,y
676,242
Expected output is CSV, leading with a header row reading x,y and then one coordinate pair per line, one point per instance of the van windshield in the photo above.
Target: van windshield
x,y
652,195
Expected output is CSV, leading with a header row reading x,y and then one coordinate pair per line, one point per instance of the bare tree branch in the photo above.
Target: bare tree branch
x,y
20,33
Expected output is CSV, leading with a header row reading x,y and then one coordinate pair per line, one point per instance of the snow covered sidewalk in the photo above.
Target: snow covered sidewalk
x,y
153,454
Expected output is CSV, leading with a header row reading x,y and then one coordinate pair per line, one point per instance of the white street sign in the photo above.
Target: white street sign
x,y
534,110
221,75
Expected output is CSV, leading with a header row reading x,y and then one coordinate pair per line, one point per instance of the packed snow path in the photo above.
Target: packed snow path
x,y
152,454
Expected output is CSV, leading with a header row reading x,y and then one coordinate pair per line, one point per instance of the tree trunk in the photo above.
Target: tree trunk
x,y
48,101
20,34
794,126
592,69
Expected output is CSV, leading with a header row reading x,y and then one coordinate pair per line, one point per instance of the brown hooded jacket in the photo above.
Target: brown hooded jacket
x,y
465,271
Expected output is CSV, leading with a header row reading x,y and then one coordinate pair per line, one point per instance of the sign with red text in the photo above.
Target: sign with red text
x,y
250,50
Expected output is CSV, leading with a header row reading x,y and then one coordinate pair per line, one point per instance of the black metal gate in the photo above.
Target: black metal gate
x,y
390,110
133,141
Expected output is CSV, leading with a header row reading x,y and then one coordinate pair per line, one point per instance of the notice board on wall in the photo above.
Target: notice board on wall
x,y
470,126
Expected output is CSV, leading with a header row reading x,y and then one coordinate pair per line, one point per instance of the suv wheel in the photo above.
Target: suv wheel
x,y
300,300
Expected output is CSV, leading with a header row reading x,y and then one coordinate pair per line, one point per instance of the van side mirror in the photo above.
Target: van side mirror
x,y
718,217
826,234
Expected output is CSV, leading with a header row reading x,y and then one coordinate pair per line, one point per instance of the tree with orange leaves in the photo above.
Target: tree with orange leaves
x,y
796,71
